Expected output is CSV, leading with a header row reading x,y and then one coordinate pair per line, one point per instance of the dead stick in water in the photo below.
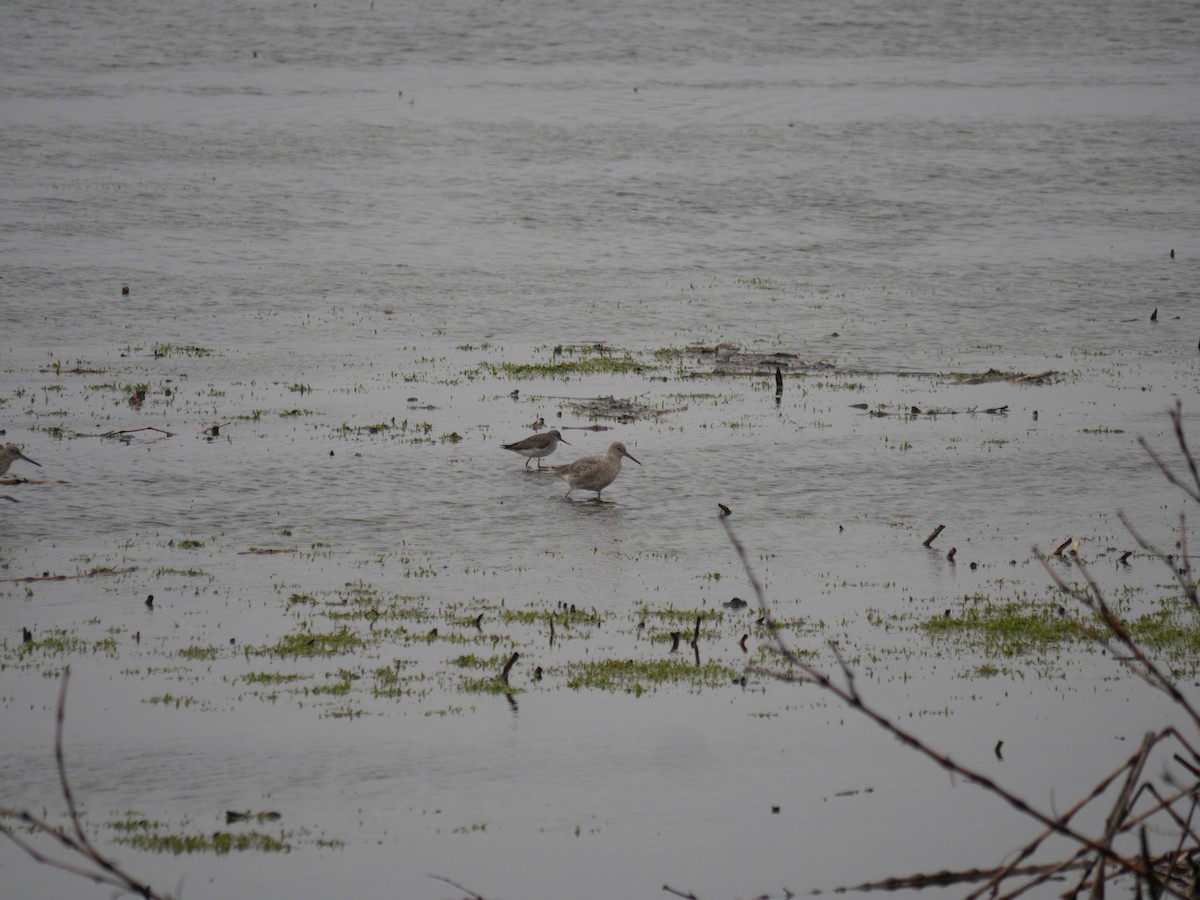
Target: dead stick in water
x,y
950,555
1061,547
110,434
696,636
508,665
933,535
46,576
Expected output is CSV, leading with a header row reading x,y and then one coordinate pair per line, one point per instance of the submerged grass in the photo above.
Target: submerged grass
x,y
1031,628
308,643
1006,628
637,676
568,361
155,837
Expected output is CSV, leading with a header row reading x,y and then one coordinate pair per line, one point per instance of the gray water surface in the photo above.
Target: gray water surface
x,y
386,204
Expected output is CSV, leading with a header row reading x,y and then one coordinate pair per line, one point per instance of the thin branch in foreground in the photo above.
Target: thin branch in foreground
x,y
848,693
1145,668
1176,415
1182,574
96,866
471,895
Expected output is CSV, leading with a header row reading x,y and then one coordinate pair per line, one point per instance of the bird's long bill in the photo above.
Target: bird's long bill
x,y
630,455
21,455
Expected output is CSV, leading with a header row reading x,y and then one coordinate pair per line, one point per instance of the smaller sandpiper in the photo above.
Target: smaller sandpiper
x,y
9,453
537,446
594,473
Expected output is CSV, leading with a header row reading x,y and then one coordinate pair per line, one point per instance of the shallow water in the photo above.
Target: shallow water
x,y
378,203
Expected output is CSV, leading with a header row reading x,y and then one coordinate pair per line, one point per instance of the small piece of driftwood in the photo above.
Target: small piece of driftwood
x,y
933,536
508,666
120,431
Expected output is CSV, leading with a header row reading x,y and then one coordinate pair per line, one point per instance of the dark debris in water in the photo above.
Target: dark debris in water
x,y
620,409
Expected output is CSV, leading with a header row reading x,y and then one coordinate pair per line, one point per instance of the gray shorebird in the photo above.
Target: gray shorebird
x,y
594,473
537,446
9,453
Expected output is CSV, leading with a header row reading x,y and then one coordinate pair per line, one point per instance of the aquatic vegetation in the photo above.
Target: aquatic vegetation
x,y
183,702
342,684
185,573
1025,629
309,643
492,685
639,675
59,642
588,362
200,653
160,350
270,678
1006,628
155,837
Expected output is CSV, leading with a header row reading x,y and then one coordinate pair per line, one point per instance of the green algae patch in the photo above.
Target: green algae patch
x,y
57,643
180,702
1171,633
273,678
1032,628
155,837
493,685
639,675
1008,628
389,682
310,643
571,360
200,653
161,350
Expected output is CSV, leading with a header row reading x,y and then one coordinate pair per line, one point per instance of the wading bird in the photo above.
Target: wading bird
x,y
594,473
9,454
537,446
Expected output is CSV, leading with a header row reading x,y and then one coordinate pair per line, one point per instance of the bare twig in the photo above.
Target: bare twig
x,y
847,692
503,676
1176,415
471,895
1182,575
96,867
1145,667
